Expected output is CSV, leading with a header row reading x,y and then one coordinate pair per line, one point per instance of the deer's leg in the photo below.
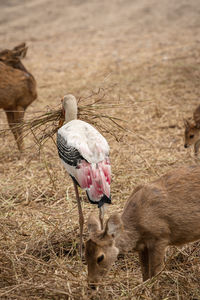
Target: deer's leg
x,y
10,118
196,147
81,218
18,118
156,257
11,123
14,119
144,263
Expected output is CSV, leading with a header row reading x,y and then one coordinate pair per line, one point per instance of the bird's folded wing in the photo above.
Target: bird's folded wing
x,y
68,154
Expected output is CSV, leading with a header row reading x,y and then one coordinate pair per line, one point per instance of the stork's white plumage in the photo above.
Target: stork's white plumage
x,y
84,153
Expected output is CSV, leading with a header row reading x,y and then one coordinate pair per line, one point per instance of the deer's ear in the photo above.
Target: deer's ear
x,y
93,224
20,50
114,225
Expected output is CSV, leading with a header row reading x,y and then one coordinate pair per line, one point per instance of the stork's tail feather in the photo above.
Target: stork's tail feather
x,y
101,202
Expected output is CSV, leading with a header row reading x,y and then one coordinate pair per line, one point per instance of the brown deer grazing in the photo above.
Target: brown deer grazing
x,y
192,131
162,213
17,89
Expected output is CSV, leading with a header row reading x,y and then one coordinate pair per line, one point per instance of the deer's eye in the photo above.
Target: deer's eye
x,y
191,136
100,258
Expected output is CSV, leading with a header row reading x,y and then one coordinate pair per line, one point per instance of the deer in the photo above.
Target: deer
x,y
165,212
192,131
17,89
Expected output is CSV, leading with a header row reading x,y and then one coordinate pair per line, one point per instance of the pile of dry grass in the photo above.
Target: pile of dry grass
x,y
41,262
39,224
157,73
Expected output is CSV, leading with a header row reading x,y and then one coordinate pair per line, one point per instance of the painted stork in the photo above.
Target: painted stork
x,y
84,153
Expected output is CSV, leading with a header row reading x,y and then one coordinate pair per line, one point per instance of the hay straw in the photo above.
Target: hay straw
x,y
43,127
39,226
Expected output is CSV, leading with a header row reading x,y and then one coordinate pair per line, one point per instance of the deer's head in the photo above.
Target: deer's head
x,y
192,133
101,251
13,57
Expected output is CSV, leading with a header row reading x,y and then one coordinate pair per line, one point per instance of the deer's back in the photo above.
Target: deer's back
x,y
16,87
168,208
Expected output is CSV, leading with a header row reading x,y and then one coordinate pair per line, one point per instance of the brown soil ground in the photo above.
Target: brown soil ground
x,y
146,56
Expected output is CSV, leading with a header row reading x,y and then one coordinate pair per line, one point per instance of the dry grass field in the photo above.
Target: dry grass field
x,y
144,55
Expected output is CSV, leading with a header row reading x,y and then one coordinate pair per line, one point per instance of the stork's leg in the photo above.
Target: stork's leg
x,y
102,210
81,218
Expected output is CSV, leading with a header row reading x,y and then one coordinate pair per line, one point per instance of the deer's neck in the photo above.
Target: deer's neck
x,y
128,238
197,146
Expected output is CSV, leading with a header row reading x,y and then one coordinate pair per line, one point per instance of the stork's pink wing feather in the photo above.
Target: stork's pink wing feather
x,y
95,178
